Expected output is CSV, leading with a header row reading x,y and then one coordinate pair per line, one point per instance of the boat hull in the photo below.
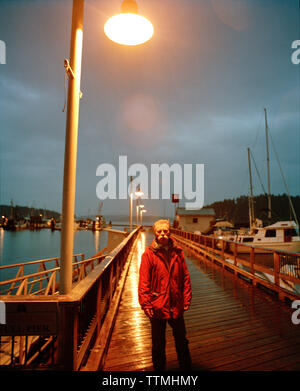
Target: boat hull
x,y
264,248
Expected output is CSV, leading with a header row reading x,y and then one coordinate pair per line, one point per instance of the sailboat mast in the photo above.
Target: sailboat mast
x,y
251,209
268,167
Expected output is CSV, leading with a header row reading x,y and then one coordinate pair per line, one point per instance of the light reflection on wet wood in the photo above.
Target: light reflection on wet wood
x,y
231,325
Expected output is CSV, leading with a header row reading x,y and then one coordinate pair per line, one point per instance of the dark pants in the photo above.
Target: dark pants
x,y
158,330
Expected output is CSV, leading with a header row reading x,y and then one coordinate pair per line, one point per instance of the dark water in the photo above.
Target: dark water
x,y
27,245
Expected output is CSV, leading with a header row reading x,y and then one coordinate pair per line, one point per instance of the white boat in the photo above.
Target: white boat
x,y
283,235
279,236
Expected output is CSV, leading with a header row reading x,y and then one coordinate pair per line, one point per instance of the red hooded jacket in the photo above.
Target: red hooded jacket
x,y
164,281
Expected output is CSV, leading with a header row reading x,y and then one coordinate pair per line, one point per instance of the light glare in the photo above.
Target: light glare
x,y
128,29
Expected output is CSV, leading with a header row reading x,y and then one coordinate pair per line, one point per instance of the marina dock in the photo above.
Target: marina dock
x,y
231,325
237,320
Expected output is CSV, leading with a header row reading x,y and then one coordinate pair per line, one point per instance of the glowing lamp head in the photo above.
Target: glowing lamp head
x,y
139,193
129,28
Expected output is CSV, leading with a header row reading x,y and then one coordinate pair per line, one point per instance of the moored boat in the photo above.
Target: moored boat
x,y
279,236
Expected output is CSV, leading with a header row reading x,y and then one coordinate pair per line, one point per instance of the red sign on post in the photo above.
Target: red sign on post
x,y
175,198
30,318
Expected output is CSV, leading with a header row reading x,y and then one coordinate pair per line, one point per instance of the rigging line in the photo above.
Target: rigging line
x,y
245,176
259,177
285,184
258,129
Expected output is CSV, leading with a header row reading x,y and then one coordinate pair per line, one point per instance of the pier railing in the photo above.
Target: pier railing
x,y
41,277
61,331
276,270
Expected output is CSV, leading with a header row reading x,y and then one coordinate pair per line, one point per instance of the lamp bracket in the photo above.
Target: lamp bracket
x,y
71,74
69,70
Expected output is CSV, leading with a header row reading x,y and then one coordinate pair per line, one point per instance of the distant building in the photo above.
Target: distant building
x,y
199,220
36,222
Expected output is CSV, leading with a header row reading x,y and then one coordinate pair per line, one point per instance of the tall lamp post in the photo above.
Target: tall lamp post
x,y
138,194
142,212
131,203
138,211
127,28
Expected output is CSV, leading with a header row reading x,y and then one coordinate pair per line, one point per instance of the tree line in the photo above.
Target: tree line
x,y
21,212
237,210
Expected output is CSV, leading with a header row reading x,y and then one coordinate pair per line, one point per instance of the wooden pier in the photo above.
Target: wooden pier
x,y
231,324
238,320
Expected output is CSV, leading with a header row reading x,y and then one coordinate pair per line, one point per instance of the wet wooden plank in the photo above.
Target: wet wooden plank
x,y
231,325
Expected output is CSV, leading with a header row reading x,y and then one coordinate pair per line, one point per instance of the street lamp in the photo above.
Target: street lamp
x,y
129,28
138,194
142,211
140,207
73,68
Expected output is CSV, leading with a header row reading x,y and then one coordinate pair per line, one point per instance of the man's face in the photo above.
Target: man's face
x,y
162,234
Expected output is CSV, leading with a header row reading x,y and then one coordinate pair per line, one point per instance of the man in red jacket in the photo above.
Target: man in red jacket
x,y
164,294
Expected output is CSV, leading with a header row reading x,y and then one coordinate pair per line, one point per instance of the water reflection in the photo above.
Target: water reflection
x,y
137,316
27,245
136,262
1,244
97,241
1,251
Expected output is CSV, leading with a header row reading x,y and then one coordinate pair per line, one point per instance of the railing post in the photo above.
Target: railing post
x,y
99,307
119,265
68,336
205,246
110,290
276,268
252,260
235,253
223,249
22,287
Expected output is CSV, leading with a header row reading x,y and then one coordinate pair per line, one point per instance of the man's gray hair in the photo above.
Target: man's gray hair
x,y
160,222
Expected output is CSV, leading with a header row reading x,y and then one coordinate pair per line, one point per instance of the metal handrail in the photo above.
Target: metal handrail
x,y
37,261
45,273
73,321
208,246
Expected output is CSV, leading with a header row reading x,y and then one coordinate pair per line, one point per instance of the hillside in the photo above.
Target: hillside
x,y
20,212
237,210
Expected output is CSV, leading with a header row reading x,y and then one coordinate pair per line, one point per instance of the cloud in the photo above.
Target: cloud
x,y
195,93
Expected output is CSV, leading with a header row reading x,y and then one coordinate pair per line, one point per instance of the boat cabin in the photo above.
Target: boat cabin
x,y
282,231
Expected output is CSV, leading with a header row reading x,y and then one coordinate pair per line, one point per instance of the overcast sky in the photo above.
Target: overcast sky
x,y
194,94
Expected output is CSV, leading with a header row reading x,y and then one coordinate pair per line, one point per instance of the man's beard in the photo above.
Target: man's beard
x,y
163,239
